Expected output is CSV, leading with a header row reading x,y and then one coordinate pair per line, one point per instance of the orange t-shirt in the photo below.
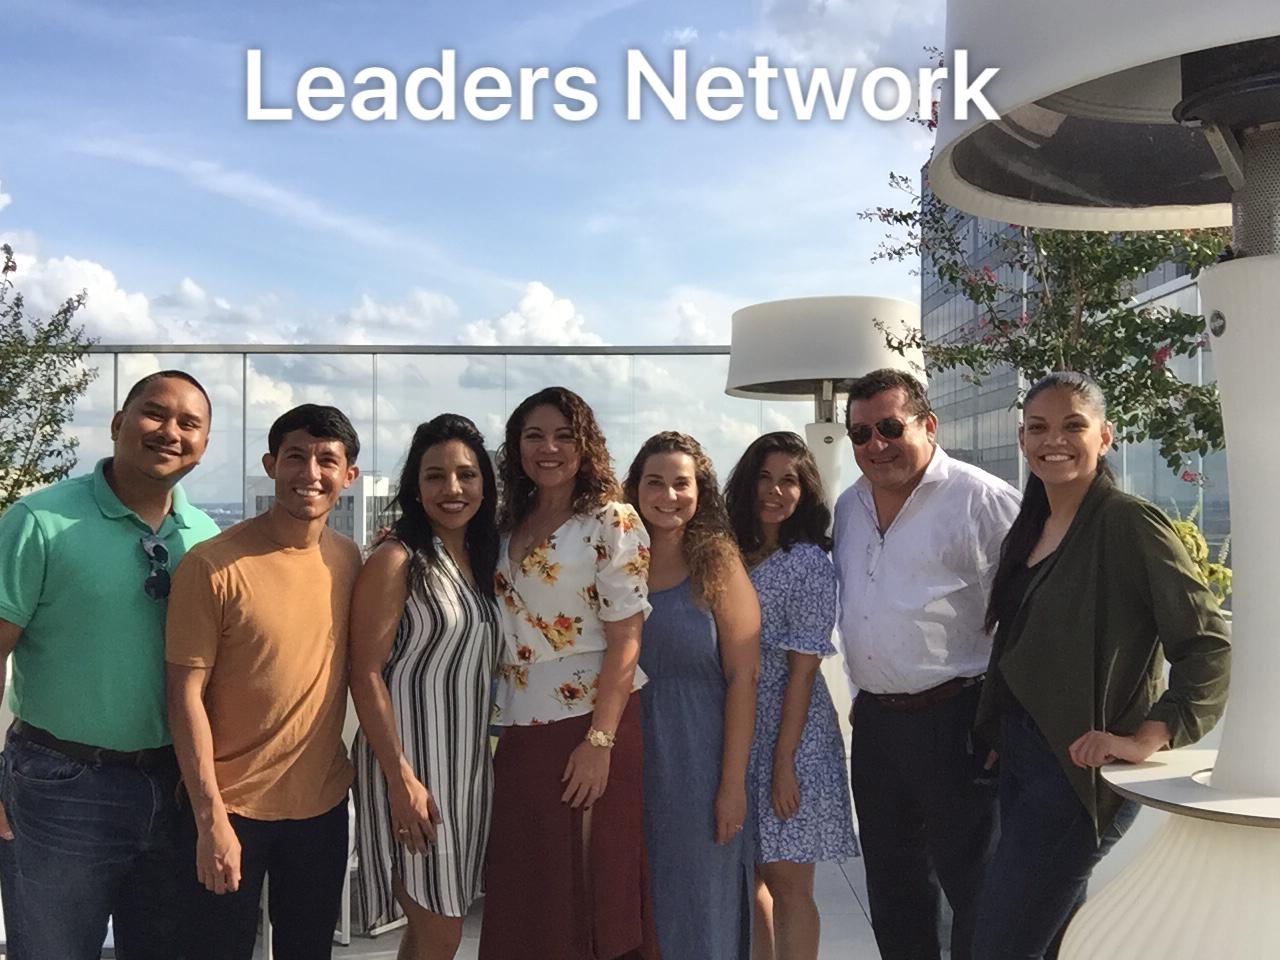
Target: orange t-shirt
x,y
269,622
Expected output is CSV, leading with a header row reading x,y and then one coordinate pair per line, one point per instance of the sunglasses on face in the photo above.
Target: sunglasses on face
x,y
890,428
157,583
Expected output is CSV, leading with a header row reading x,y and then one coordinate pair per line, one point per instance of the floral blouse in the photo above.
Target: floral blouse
x,y
594,568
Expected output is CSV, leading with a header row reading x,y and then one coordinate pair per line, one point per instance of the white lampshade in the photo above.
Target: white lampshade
x,y
787,349
1086,94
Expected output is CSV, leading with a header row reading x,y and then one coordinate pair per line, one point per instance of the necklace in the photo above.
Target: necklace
x,y
536,533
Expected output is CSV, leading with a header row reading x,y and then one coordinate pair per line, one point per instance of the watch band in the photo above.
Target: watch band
x,y
599,738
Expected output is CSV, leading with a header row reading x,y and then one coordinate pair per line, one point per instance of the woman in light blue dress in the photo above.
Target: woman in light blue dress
x,y
701,652
799,779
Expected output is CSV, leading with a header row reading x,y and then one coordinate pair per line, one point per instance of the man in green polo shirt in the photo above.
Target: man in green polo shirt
x,y
89,822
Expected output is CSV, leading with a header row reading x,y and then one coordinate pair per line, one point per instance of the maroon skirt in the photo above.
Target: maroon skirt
x,y
538,903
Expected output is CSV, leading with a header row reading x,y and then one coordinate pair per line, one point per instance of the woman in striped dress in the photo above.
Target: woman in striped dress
x,y
424,644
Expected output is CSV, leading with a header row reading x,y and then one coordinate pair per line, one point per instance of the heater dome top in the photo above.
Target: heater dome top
x,y
1087,93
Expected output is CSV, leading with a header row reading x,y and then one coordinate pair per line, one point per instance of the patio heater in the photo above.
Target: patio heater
x,y
1152,114
813,347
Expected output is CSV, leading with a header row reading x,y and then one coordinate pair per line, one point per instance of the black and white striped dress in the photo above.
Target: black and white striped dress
x,y
439,674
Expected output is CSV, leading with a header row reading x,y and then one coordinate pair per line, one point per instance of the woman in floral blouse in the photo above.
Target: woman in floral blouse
x,y
567,874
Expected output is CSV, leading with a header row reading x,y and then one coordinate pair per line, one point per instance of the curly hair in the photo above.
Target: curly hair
x,y
595,485
811,520
708,545
413,527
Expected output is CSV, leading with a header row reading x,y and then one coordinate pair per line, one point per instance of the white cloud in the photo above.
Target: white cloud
x,y
411,322
693,326
192,314
111,313
680,36
685,314
859,33
539,318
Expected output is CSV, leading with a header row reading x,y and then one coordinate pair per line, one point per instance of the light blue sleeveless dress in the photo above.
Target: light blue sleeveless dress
x,y
702,893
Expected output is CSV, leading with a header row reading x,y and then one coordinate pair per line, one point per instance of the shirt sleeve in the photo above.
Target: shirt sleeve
x,y
810,602
1189,625
622,563
25,551
193,624
998,509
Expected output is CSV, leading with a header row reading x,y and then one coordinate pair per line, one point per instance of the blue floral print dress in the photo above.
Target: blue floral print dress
x,y
797,589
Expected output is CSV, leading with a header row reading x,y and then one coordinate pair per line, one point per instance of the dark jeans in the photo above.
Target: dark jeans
x,y
306,863
1048,847
926,810
91,842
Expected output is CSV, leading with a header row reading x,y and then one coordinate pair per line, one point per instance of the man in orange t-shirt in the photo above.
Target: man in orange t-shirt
x,y
256,645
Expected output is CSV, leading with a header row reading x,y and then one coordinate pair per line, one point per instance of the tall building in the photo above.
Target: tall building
x,y
979,423
358,514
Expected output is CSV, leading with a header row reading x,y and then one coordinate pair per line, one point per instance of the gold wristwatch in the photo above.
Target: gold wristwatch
x,y
598,738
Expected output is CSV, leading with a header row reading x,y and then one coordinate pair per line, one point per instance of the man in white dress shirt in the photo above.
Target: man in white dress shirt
x,y
917,541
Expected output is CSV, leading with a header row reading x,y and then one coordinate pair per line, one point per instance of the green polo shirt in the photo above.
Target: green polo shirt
x,y
89,665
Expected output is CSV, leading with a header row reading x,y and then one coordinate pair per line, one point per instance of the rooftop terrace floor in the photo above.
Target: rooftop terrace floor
x,y
842,901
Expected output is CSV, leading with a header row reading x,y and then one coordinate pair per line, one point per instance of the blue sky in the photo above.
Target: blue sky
x,y
128,168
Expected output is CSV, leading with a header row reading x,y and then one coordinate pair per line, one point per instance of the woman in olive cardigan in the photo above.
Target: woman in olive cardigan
x,y
1093,593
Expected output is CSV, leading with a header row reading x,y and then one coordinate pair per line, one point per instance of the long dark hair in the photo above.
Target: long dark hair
x,y
707,546
811,519
413,527
1029,524
595,485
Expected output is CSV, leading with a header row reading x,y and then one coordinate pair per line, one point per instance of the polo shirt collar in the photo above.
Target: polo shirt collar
x,y
112,507
108,502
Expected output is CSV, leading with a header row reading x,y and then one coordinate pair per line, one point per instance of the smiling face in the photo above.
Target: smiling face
x,y
450,485
548,449
777,491
162,433
310,474
668,491
891,464
1063,436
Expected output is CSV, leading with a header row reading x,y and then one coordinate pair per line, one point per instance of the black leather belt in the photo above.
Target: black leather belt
x,y
148,759
925,698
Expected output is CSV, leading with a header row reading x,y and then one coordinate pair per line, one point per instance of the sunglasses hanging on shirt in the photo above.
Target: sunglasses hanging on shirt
x,y
157,583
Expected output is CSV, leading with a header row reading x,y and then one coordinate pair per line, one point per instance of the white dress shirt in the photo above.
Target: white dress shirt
x,y
912,601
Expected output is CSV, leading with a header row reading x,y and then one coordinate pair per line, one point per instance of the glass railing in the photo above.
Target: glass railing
x,y
635,392
387,391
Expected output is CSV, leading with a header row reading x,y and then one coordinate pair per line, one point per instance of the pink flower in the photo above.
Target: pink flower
x,y
988,274
1190,476
1023,320
1161,356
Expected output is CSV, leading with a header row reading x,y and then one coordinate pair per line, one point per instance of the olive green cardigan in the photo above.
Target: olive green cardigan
x,y
1086,649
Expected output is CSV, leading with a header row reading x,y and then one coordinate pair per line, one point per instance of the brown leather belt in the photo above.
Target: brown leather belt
x,y
925,698
147,759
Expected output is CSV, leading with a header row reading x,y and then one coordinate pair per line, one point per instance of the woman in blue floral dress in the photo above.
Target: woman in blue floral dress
x,y
798,773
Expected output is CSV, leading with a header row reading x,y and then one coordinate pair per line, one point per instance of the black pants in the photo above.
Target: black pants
x,y
1048,849
926,810
306,861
